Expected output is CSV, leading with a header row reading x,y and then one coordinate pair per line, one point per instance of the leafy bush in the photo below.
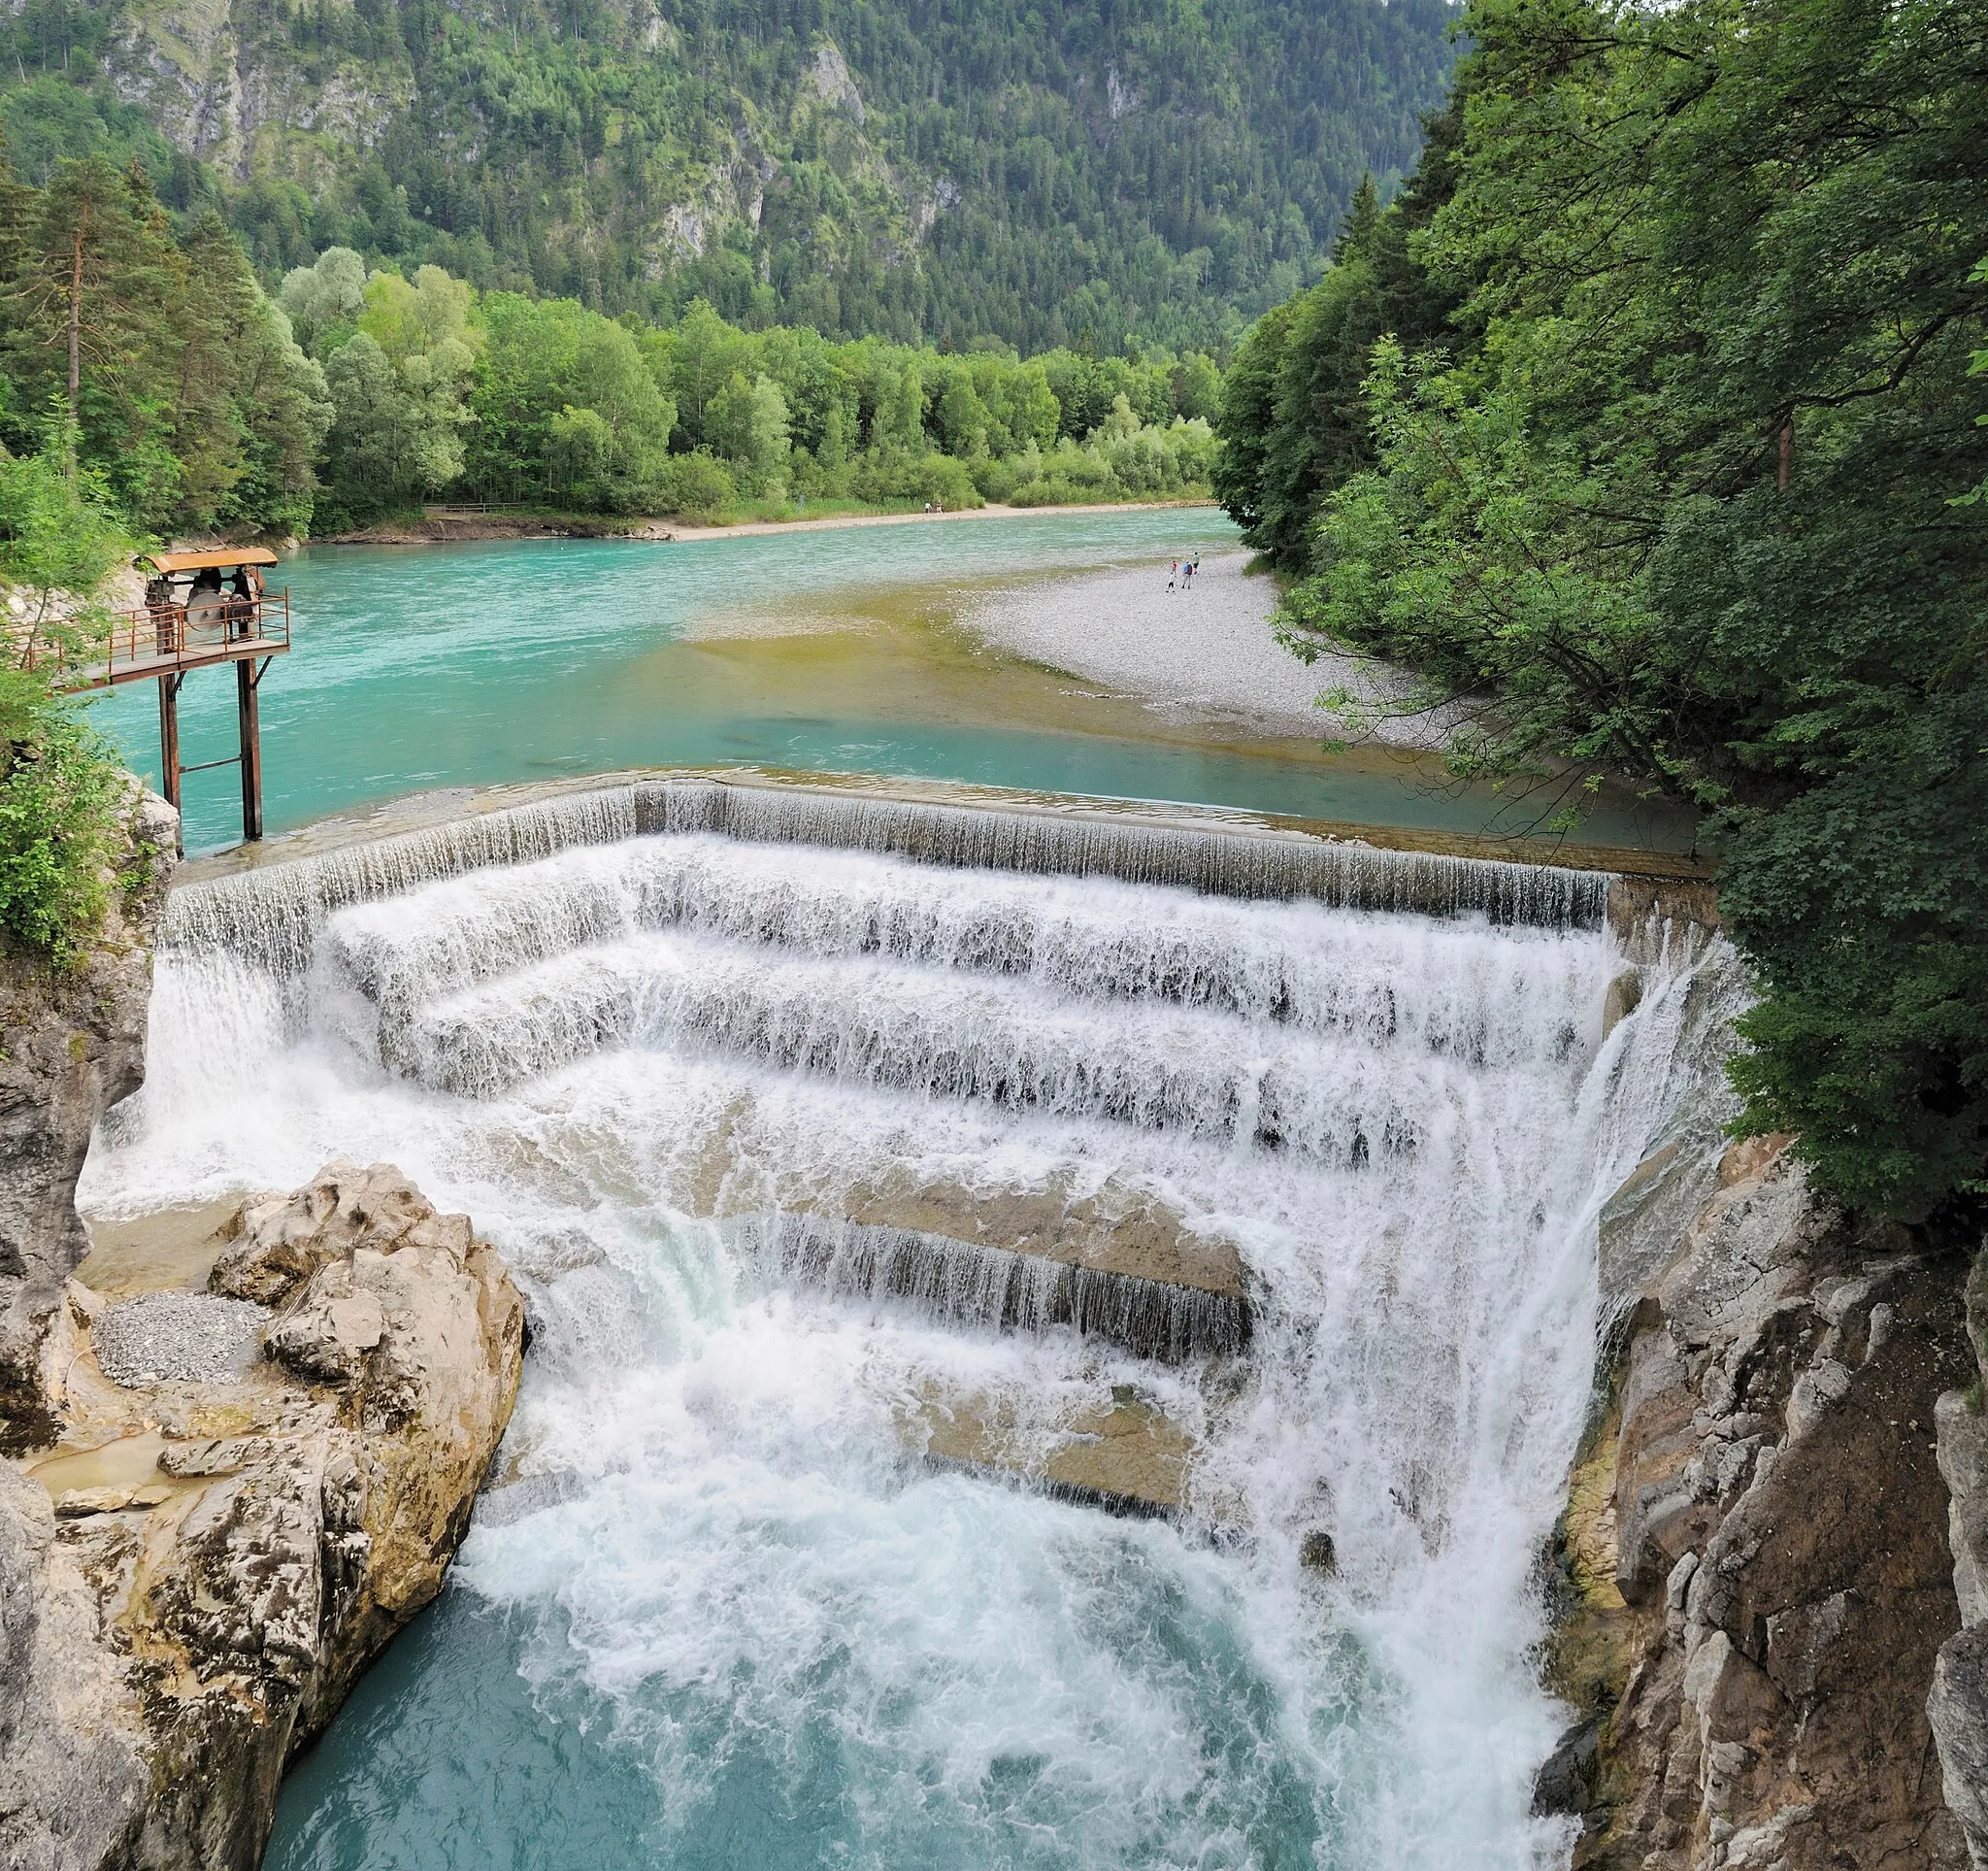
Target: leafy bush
x,y
697,488
61,788
1041,492
892,474
59,802
996,480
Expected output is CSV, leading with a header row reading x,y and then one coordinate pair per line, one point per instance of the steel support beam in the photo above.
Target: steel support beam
x,y
247,679
168,740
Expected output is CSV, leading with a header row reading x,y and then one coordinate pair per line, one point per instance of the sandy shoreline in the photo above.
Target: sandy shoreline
x,y
443,525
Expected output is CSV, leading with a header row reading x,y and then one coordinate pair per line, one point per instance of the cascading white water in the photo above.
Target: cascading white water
x,y
651,1065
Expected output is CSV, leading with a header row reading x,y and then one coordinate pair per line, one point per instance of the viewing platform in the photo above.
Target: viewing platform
x,y
146,644
190,619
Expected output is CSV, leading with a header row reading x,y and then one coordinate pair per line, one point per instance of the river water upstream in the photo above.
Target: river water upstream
x,y
861,650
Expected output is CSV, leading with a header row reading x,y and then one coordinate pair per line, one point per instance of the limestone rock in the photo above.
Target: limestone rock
x,y
74,1779
284,1240
329,1336
176,1657
1957,1706
1780,1529
75,1045
1958,1709
73,1503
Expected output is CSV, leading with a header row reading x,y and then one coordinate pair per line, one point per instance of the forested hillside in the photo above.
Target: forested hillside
x,y
1648,424
1061,173
144,365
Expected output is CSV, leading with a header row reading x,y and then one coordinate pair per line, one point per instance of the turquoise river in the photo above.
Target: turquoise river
x,y
829,650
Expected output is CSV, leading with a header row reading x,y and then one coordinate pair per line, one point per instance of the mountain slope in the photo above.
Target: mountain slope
x,y
946,169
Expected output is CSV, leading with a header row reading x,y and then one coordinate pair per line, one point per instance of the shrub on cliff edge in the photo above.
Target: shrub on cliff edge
x,y
59,801
62,787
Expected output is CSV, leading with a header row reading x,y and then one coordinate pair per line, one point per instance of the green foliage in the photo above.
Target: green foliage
x,y
698,487
1864,904
60,790
566,406
59,801
181,388
59,538
746,422
398,375
564,409
1681,489
1291,406
1056,174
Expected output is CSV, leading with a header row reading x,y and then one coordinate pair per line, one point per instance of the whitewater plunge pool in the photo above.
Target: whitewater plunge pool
x,y
941,650
898,1187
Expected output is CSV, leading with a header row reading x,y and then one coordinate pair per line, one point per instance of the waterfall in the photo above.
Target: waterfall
x,y
895,1183
278,911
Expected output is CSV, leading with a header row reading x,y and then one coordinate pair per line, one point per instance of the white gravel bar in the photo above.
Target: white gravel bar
x,y
179,1336
1199,651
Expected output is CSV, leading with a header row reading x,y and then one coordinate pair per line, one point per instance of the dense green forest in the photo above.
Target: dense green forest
x,y
1648,423
1055,174
506,398
194,402
150,386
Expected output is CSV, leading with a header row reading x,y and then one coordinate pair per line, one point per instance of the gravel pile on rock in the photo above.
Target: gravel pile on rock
x,y
191,1336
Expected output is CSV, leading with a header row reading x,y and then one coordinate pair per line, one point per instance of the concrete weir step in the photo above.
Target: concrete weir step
x,y
1118,1451
1119,1268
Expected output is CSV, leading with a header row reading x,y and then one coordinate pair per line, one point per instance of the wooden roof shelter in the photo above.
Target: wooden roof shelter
x,y
213,558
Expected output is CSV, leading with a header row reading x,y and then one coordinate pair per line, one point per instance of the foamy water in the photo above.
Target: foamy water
x,y
745,1622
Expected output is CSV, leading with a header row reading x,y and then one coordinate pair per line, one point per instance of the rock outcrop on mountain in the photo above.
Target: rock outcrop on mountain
x,y
1760,1553
195,1569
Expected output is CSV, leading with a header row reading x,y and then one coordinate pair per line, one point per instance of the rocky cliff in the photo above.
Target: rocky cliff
x,y
75,1045
1757,1546
1958,1706
241,1446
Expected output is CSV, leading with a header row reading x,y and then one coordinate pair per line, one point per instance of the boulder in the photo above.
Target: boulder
x,y
1958,1709
285,1240
182,1634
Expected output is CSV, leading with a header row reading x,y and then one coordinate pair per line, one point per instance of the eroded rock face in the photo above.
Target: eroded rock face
x,y
1781,1525
170,1636
1958,1705
75,1045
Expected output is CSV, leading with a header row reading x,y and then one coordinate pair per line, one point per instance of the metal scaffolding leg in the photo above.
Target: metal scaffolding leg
x,y
168,740
247,678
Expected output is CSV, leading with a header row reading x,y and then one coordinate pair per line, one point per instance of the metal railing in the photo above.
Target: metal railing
x,y
161,639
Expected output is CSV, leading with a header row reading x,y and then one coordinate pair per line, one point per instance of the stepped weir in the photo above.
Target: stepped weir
x,y
856,1152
